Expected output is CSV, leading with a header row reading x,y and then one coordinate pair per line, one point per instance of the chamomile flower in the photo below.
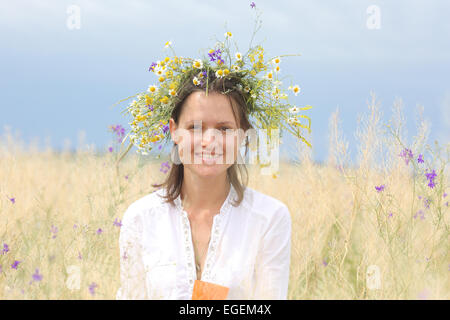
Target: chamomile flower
x,y
276,61
269,75
159,71
235,68
238,56
277,69
228,35
198,64
173,92
219,73
152,89
195,81
295,89
294,109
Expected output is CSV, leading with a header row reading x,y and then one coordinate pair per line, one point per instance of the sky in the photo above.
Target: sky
x,y
58,83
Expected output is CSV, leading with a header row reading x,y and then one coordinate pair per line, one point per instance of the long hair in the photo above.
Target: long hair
x,y
237,174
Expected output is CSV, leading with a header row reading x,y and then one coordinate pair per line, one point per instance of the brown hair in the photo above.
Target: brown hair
x,y
239,103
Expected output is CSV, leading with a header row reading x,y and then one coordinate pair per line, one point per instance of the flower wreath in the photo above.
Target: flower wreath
x,y
266,100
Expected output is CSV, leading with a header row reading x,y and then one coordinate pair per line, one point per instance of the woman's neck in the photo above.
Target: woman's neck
x,y
204,194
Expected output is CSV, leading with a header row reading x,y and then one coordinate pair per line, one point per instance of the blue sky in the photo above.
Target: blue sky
x,y
56,82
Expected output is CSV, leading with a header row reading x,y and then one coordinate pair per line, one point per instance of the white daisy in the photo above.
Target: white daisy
x,y
152,89
235,68
220,73
295,89
198,64
195,81
238,56
294,109
228,35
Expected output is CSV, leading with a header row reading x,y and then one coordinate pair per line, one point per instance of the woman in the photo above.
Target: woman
x,y
204,223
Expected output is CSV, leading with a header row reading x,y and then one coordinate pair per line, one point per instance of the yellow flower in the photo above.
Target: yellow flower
x,y
198,64
161,79
168,44
167,59
228,35
238,56
226,72
164,100
253,73
148,99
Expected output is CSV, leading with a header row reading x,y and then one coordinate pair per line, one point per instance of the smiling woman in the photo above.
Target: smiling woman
x,y
203,223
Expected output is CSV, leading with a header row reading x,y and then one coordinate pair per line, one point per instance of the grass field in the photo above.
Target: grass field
x,y
377,230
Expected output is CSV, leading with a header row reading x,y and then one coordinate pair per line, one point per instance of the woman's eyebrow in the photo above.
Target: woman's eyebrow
x,y
218,123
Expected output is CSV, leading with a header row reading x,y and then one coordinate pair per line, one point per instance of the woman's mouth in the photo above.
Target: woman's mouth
x,y
208,158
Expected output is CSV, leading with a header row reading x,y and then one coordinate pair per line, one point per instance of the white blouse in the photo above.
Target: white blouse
x,y
249,250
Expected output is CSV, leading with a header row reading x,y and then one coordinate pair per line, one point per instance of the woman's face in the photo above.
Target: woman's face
x,y
204,146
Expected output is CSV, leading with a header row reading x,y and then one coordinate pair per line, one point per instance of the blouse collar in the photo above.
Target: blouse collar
x,y
223,209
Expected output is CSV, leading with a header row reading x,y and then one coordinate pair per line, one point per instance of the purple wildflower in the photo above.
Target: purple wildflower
x,y
420,213
430,177
126,177
165,128
120,132
75,226
420,158
407,154
390,215
444,195
79,255
99,231
152,67
426,203
36,276
252,5
165,166
110,149
159,147
92,287
54,230
1,268
5,248
15,264
324,262
151,108
13,200
125,256
215,55
380,188
117,223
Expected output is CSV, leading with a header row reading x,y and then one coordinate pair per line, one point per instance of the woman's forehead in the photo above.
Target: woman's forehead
x,y
212,109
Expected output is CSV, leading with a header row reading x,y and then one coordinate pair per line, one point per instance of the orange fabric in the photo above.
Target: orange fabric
x,y
208,291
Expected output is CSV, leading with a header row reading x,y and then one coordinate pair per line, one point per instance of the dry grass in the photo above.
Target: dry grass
x,y
341,224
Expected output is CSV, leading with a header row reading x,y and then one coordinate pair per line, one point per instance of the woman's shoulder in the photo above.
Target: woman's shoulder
x,y
264,204
146,203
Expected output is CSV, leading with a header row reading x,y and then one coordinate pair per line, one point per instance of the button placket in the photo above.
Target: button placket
x,y
215,230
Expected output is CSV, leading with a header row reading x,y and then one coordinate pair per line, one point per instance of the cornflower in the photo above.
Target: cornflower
x,y
407,154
